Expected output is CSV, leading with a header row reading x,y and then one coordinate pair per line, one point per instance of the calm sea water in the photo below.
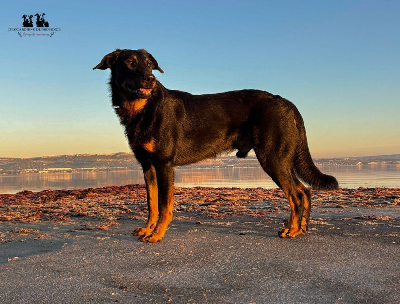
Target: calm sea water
x,y
242,177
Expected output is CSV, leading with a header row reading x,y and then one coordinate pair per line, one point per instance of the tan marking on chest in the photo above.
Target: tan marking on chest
x,y
135,106
150,145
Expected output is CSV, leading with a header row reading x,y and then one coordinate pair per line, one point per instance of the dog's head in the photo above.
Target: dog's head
x,y
131,72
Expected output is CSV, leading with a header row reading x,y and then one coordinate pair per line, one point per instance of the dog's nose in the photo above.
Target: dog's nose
x,y
148,78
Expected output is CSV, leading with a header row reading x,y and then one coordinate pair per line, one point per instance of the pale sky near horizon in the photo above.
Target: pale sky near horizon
x,y
338,61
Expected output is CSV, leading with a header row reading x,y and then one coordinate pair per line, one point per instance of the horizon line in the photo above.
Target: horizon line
x,y
221,155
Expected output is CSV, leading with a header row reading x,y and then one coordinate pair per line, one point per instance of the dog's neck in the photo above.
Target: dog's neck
x,y
132,107
127,109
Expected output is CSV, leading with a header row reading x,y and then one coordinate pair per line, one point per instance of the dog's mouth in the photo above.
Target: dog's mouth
x,y
144,91
139,93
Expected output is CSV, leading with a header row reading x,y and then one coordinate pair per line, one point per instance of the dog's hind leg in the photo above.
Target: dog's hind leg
x,y
165,182
279,168
306,197
150,178
296,200
276,143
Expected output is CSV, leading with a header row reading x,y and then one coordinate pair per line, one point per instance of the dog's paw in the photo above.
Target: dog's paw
x,y
152,238
142,232
290,233
283,232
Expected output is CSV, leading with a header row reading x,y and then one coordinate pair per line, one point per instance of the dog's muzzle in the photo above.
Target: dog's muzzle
x,y
139,93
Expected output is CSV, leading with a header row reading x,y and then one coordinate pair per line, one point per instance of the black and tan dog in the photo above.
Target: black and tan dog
x,y
168,128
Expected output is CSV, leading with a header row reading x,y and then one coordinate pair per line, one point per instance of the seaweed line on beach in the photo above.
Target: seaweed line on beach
x,y
110,204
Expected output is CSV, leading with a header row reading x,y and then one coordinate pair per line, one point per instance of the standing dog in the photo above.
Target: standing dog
x,y
168,128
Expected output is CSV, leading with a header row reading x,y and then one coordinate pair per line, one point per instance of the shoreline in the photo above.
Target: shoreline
x,y
108,205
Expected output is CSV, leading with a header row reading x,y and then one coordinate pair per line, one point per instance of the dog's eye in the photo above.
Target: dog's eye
x,y
149,64
131,63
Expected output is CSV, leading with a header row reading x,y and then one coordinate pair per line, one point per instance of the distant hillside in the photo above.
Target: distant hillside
x,y
382,157
389,159
92,162
79,161
126,161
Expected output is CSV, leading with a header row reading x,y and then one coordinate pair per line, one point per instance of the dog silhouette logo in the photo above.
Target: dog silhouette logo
x,y
27,22
30,28
40,21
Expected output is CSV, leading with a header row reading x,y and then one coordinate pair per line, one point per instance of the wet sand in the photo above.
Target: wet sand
x,y
75,246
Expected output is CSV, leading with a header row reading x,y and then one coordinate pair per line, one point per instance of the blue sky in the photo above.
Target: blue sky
x,y
338,61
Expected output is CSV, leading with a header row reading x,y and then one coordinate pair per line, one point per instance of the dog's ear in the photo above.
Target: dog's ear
x,y
108,60
156,67
153,60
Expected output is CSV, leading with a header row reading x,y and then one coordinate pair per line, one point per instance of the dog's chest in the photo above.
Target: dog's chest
x,y
131,108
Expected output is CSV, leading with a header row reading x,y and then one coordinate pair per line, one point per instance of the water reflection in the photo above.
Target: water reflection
x,y
223,177
348,176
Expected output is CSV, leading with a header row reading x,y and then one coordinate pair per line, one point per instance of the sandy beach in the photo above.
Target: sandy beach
x,y
75,246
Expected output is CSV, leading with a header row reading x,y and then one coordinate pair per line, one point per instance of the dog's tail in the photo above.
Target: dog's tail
x,y
305,168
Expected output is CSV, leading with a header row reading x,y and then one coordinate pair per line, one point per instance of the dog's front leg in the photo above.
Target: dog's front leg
x,y
150,178
165,181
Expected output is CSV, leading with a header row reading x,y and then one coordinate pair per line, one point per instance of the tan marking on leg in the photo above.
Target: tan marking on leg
x,y
305,218
293,220
152,203
164,220
293,229
306,212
